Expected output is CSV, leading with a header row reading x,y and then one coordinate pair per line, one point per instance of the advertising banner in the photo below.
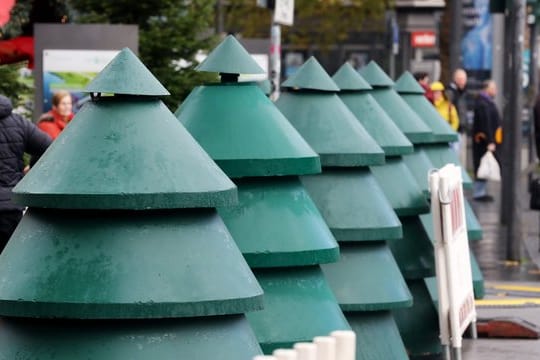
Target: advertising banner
x,y
71,70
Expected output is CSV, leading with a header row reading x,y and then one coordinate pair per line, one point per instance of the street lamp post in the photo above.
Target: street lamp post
x,y
511,157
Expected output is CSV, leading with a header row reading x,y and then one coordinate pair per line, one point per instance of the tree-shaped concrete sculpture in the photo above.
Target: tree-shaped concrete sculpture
x,y
366,280
440,154
122,254
276,224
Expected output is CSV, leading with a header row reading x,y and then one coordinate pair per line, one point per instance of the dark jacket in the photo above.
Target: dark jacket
x,y
17,136
536,113
458,97
486,122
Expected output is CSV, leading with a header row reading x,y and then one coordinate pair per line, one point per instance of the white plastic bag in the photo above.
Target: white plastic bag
x,y
489,168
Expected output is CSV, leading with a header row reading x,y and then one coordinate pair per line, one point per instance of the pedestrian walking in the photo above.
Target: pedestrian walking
x,y
456,92
444,106
17,136
487,134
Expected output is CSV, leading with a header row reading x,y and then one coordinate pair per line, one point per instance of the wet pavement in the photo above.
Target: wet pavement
x,y
501,274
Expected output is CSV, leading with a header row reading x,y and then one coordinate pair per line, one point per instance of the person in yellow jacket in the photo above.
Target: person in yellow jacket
x,y
444,107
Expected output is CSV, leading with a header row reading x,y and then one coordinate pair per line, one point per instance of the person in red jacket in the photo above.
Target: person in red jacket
x,y
54,121
423,79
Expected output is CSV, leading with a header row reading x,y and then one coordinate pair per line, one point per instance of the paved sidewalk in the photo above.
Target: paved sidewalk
x,y
490,253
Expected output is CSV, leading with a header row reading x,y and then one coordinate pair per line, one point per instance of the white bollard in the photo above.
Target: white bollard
x,y
326,347
285,354
345,344
306,351
264,357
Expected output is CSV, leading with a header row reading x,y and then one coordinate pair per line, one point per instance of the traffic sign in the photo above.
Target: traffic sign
x,y
284,12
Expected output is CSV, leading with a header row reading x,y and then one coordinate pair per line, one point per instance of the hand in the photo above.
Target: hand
x,y
26,169
491,147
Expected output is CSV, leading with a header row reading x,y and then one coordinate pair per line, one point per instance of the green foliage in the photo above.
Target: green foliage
x,y
12,86
169,31
25,13
18,18
317,22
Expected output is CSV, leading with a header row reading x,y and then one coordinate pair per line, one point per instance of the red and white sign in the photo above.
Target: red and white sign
x,y
423,39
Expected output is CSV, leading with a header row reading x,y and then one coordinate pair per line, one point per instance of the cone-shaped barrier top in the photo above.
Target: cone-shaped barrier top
x,y
204,338
244,132
419,325
230,57
407,197
408,88
114,78
370,114
302,237
353,205
125,154
414,252
346,78
386,291
400,187
240,128
420,166
326,123
276,225
124,265
311,75
375,76
398,110
299,305
407,84
348,196
377,333
247,136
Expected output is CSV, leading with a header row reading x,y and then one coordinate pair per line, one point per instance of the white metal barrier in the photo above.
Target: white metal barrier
x,y
452,258
340,345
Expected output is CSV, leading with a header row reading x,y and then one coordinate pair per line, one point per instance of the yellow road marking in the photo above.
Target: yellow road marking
x,y
503,302
513,287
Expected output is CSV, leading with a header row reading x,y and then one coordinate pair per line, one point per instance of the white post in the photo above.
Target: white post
x,y
285,354
275,60
326,347
306,351
345,344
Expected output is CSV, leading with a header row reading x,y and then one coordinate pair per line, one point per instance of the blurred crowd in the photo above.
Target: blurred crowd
x,y
450,101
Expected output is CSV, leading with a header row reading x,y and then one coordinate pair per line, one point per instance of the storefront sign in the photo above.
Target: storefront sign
x,y
423,39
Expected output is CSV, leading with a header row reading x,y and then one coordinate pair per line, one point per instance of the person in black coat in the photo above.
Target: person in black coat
x,y
536,118
487,134
17,136
456,94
